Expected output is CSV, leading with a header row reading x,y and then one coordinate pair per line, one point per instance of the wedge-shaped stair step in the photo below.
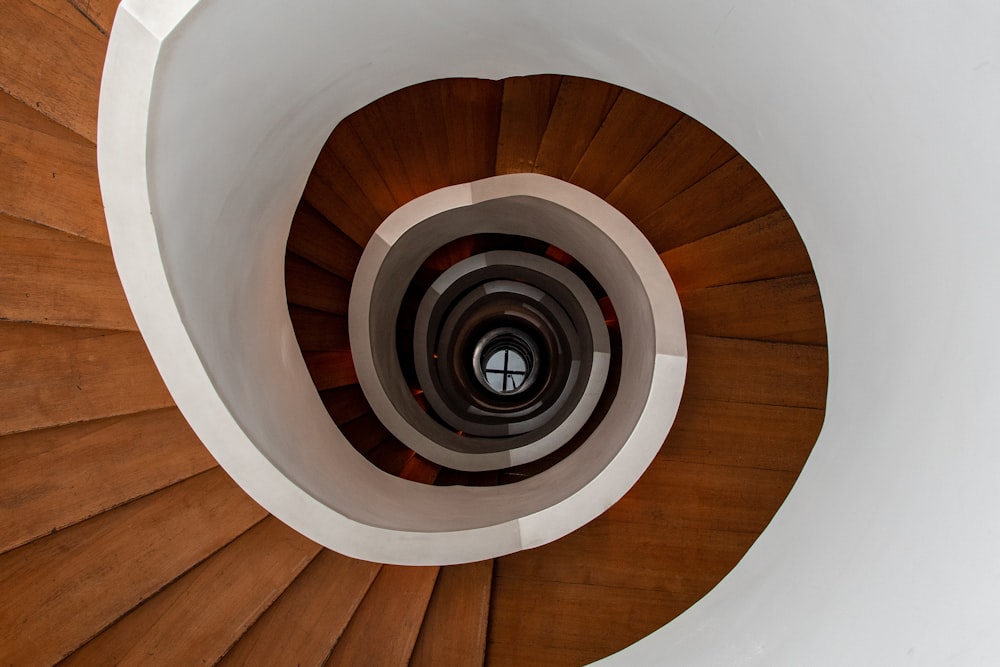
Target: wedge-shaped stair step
x,y
302,625
309,285
60,476
579,110
345,403
332,192
49,172
40,279
454,628
330,370
61,590
365,433
197,618
76,377
524,116
318,331
766,247
317,239
385,626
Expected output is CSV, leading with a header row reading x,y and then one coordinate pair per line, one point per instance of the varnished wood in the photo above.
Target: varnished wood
x,y
632,128
454,628
365,433
331,369
61,590
334,194
77,379
59,76
49,173
685,155
766,247
525,109
580,108
40,271
345,403
419,469
100,12
390,455
384,628
732,194
316,330
26,335
348,148
314,238
785,310
309,285
210,606
60,476
304,624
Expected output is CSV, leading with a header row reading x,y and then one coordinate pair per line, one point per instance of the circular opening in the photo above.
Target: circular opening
x,y
505,361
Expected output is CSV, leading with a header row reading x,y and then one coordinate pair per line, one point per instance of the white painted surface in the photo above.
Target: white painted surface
x,y
875,123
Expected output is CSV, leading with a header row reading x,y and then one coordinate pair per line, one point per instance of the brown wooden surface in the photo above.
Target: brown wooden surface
x,y
384,628
580,108
316,330
365,433
40,270
77,380
302,625
100,12
419,469
632,128
26,335
731,195
766,247
61,590
198,617
60,476
525,109
309,285
454,627
49,173
59,75
331,369
785,310
744,371
314,238
332,191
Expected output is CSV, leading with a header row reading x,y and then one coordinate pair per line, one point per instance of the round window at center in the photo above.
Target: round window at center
x,y
506,361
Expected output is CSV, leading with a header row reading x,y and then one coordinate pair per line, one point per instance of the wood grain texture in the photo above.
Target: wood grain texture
x,y
392,612
314,238
209,607
454,627
309,285
685,155
26,335
331,369
632,128
100,12
304,624
766,247
60,476
334,194
59,75
732,194
59,591
77,379
345,403
349,149
525,109
580,108
785,310
49,173
316,330
40,270
744,371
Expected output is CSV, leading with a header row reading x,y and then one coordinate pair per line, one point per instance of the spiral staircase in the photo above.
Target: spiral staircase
x,y
124,542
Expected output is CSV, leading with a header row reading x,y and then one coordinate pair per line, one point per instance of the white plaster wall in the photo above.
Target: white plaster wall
x,y
877,126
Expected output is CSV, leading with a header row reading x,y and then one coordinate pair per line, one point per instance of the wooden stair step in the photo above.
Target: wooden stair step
x,y
60,75
210,606
766,247
633,126
579,111
390,455
309,285
526,106
365,433
334,194
40,270
419,469
318,240
332,369
454,628
686,154
304,624
49,172
80,379
60,476
731,195
744,371
94,572
316,330
345,403
348,148
787,310
100,12
385,626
